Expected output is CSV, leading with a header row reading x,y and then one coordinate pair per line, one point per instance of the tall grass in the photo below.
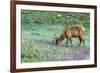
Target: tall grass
x,y
40,27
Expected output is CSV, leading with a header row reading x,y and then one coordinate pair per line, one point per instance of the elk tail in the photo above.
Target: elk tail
x,y
84,31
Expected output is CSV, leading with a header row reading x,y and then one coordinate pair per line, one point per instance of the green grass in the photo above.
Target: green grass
x,y
40,27
33,51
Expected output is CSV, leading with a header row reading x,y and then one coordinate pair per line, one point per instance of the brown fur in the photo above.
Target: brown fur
x,y
71,31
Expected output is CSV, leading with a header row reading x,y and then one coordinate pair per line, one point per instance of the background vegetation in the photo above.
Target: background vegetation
x,y
40,27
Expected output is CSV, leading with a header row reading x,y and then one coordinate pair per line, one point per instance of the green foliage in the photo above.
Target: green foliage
x,y
35,18
42,26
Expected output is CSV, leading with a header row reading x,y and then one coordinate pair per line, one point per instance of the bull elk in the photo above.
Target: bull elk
x,y
71,32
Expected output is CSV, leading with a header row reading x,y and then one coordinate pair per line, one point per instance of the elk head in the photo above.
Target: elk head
x,y
56,40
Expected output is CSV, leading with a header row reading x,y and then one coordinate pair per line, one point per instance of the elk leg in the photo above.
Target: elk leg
x,y
71,42
80,41
66,42
83,42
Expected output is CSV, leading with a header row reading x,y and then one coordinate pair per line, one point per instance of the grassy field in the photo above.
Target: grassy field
x,y
40,27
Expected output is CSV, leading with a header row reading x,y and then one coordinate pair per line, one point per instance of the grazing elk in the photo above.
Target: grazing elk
x,y
70,32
